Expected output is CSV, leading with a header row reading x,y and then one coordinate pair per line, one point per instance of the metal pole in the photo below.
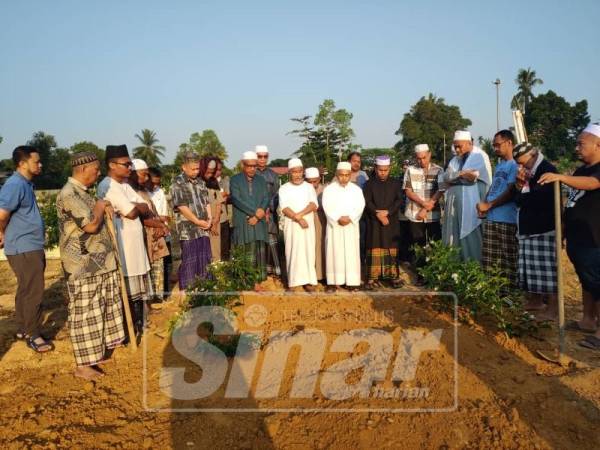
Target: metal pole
x,y
559,270
497,83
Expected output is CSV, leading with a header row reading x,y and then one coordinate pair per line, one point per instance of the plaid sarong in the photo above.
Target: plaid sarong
x,y
157,271
537,263
139,287
501,248
273,261
381,263
257,252
95,316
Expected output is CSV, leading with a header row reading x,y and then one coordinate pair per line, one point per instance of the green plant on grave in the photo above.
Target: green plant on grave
x,y
480,292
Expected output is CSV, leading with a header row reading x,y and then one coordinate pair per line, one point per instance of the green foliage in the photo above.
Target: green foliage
x,y
526,80
553,124
47,204
46,145
278,162
429,121
221,288
327,138
480,293
149,151
205,144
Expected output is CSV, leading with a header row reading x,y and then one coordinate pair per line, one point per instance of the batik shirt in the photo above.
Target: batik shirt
x,y
425,185
194,195
82,254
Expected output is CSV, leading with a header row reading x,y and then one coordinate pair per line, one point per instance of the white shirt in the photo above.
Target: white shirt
x,y
160,201
130,232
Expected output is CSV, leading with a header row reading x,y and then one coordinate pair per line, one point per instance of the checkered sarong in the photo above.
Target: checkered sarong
x,y
157,271
95,316
537,263
381,263
501,248
139,287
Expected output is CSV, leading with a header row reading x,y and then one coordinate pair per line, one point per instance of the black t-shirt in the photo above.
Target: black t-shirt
x,y
582,211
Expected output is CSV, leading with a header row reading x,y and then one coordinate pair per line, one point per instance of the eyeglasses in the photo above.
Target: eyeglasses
x,y
498,144
127,164
262,156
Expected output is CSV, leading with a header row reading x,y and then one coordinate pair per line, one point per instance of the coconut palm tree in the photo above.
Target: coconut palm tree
x,y
526,80
149,151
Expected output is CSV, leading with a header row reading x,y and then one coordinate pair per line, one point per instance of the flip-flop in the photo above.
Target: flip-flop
x,y
573,325
592,342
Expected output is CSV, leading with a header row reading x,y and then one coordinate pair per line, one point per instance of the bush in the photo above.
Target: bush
x,y
480,293
221,288
50,216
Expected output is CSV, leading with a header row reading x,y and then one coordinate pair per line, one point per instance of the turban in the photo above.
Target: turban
x,y
139,164
522,149
116,151
343,165
81,158
462,136
592,128
261,149
421,148
382,160
249,156
294,162
312,172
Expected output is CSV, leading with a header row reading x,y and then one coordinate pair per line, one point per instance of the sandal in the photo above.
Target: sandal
x,y
39,347
20,336
592,342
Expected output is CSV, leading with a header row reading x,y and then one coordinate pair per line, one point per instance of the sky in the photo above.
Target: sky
x,y
102,70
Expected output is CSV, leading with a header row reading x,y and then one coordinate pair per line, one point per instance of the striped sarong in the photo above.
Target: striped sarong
x,y
95,316
139,287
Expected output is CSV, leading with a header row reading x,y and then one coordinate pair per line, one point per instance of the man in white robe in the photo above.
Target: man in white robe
x,y
343,203
467,179
298,203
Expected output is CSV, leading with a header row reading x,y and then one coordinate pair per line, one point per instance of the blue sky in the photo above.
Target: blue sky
x,y
103,70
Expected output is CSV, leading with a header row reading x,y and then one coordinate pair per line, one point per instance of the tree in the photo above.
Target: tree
x,y
149,151
430,121
205,144
278,162
553,124
526,80
1,139
327,139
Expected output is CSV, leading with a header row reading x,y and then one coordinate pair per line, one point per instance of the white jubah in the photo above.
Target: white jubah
x,y
343,242
299,242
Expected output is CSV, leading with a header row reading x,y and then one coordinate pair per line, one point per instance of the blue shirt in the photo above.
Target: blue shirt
x,y
25,229
506,173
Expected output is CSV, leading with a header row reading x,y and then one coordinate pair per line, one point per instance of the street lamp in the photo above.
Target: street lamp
x,y
497,83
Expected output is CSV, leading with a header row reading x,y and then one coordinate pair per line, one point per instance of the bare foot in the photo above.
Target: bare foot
x,y
258,288
87,373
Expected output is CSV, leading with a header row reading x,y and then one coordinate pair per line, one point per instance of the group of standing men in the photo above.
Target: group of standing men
x,y
344,233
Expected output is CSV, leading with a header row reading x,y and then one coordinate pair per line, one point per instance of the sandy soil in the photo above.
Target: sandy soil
x,y
507,396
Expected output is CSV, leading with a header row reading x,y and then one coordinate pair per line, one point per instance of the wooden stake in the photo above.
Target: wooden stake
x,y
128,318
559,269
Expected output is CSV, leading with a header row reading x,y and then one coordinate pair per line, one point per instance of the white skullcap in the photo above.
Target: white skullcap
x,y
261,149
249,156
592,128
294,162
462,135
383,160
312,172
421,148
343,165
138,164
212,164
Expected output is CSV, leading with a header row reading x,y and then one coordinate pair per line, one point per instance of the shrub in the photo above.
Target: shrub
x,y
480,293
50,216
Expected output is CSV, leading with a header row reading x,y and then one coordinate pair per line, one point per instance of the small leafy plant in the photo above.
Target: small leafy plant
x,y
481,293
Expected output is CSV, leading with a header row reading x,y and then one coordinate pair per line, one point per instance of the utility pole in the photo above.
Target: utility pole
x,y
497,83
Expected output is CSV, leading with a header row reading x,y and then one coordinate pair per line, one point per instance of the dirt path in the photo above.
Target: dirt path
x,y
507,398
